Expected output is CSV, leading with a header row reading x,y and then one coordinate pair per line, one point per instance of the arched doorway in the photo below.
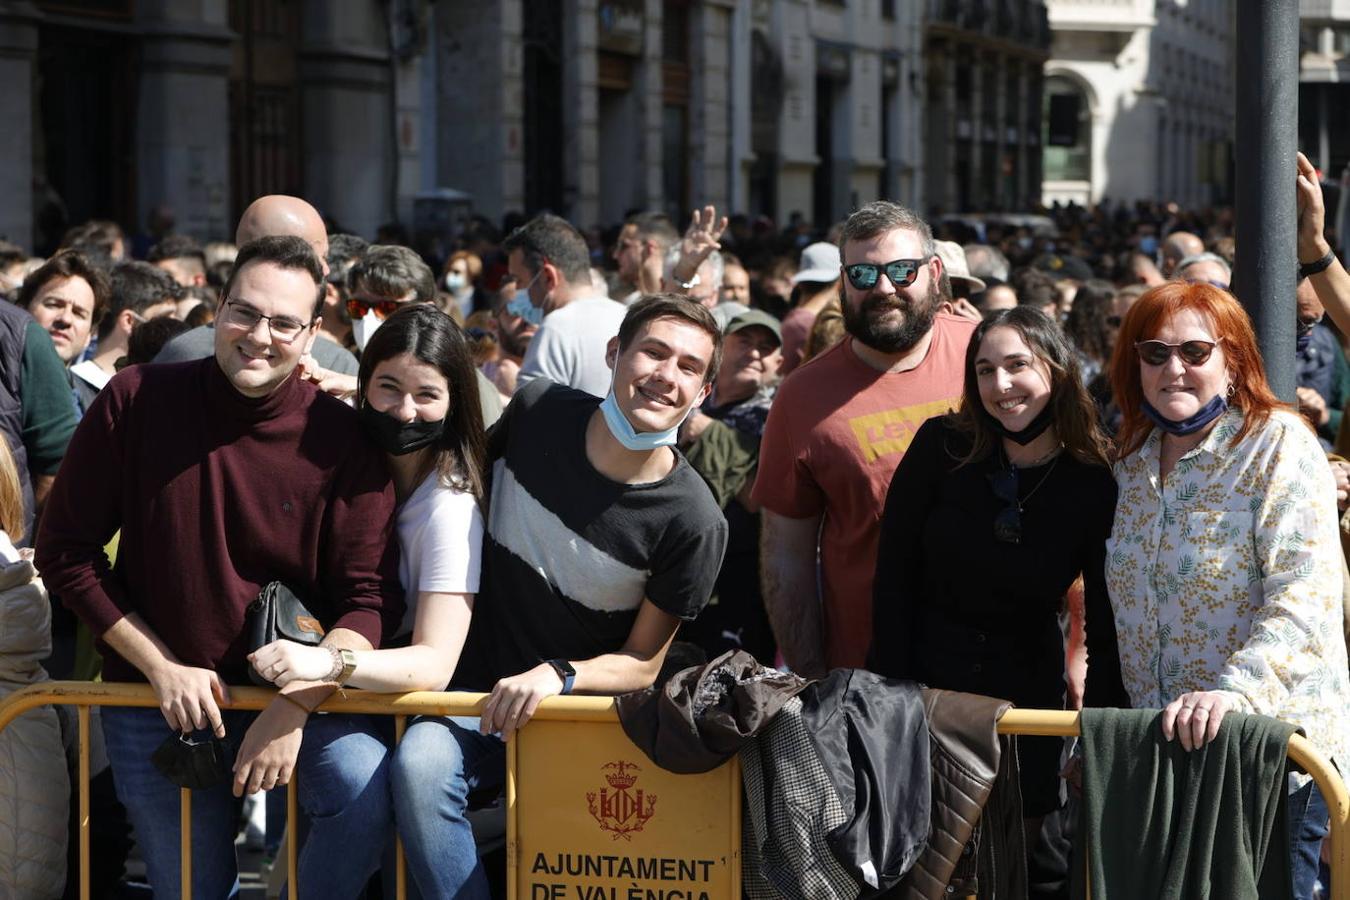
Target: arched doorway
x,y
1066,140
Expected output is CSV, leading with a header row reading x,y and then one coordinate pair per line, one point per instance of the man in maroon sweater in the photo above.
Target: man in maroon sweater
x,y
224,474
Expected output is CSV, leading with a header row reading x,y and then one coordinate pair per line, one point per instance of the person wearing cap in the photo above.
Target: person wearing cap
x,y
751,360
814,285
957,284
721,441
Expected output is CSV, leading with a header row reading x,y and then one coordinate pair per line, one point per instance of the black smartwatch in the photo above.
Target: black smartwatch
x,y
566,672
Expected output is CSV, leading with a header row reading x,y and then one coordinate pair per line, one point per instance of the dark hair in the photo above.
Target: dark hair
x,y
392,271
432,337
69,264
343,252
672,306
1034,288
548,238
1075,415
177,246
97,237
150,336
1086,324
11,254
880,217
137,286
201,314
219,272
285,251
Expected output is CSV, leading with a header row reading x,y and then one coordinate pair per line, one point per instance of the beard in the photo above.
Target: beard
x,y
916,321
513,344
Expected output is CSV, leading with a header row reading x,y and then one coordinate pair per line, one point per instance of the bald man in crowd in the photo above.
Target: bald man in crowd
x,y
1178,246
282,214
275,214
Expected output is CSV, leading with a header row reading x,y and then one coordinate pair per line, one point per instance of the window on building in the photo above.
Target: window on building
x,y
543,119
266,138
675,65
1066,132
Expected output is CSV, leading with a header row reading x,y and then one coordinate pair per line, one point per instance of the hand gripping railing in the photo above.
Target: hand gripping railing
x,y
84,695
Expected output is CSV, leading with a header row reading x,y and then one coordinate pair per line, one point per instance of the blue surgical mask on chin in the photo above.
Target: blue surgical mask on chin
x,y
630,437
1216,407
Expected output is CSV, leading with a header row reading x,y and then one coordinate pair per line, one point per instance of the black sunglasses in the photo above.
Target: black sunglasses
x,y
901,272
1192,353
1008,522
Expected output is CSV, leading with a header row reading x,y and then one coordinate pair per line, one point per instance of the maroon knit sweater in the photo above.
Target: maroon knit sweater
x,y
217,494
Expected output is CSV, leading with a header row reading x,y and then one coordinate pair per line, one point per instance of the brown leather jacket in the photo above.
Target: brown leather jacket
x,y
976,846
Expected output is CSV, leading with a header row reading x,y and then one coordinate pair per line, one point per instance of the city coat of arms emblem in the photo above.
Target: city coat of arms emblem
x,y
621,809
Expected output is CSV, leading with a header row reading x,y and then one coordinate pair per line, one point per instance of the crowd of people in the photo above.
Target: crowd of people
x,y
1033,459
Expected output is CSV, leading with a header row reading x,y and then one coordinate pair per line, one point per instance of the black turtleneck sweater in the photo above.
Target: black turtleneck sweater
x,y
217,494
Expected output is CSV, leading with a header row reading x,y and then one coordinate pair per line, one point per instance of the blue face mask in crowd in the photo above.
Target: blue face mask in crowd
x,y
1217,406
1304,333
521,306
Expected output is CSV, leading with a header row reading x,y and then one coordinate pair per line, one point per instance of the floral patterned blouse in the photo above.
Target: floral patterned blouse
x,y
1226,576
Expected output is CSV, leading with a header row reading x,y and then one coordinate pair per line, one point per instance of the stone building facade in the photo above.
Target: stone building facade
x,y
1324,84
982,120
382,110
118,107
1139,97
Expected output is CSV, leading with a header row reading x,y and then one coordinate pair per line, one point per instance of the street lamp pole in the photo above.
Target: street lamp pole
x,y
1265,213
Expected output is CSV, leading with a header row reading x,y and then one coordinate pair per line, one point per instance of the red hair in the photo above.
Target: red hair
x,y
1251,392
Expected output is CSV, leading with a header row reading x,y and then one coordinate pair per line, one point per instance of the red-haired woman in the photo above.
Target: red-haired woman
x,y
1222,564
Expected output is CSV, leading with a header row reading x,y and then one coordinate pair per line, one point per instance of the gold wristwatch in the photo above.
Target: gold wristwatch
x,y
348,665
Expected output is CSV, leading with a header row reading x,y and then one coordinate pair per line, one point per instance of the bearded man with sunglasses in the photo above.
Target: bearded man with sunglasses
x,y
837,430
232,472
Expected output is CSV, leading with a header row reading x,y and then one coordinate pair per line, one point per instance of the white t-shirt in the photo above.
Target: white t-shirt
x,y
440,534
569,347
9,554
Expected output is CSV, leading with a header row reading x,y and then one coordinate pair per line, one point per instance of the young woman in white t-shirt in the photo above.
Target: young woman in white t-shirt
x,y
417,397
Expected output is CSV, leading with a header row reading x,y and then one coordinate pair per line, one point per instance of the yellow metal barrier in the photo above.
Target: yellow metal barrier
x,y
627,813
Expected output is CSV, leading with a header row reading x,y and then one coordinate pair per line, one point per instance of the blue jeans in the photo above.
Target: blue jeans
x,y
1309,822
438,764
344,790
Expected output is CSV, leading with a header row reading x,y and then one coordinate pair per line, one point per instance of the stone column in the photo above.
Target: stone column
x,y
581,118
711,87
183,141
649,86
18,50
797,125
348,114
480,114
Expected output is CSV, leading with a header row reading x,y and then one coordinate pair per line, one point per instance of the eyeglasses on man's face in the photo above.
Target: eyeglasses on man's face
x,y
284,329
901,272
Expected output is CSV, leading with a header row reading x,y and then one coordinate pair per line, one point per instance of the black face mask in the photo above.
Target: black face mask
x,y
195,765
398,438
1035,428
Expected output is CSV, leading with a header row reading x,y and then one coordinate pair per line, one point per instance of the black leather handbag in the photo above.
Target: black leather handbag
x,y
276,614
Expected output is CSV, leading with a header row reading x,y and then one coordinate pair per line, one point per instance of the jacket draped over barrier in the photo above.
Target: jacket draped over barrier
x,y
851,790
